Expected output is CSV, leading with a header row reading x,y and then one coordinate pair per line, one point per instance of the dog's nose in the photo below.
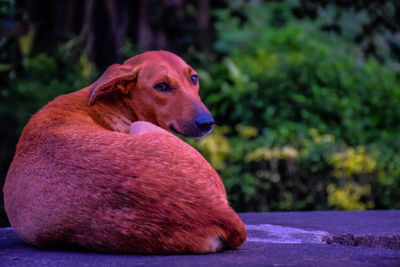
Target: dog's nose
x,y
205,122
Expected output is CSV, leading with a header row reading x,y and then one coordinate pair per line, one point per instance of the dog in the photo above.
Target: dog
x,y
100,169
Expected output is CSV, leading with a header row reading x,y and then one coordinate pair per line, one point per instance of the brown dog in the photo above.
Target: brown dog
x,y
87,172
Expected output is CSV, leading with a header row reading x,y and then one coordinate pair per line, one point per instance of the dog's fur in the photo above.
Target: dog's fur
x,y
87,172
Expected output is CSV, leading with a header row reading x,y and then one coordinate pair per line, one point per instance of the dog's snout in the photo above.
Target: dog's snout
x,y
205,122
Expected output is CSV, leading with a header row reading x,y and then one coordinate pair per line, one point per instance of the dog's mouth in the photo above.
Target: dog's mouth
x,y
172,128
192,133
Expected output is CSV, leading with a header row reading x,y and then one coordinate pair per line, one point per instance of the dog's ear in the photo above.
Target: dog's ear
x,y
116,77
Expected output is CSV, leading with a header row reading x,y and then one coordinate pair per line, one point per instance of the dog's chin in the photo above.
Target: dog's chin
x,y
203,134
190,133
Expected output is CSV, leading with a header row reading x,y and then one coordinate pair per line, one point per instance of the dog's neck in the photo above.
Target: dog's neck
x,y
113,113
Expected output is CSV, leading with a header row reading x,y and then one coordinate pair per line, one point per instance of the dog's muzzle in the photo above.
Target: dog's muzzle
x,y
197,128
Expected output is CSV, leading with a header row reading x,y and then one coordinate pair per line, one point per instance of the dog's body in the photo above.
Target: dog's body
x,y
85,174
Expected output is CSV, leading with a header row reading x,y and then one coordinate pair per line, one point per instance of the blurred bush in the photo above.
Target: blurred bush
x,y
311,121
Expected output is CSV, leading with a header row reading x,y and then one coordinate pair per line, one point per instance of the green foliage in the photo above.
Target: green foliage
x,y
44,78
313,94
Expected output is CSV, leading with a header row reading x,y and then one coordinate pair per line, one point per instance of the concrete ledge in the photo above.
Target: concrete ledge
x,y
370,238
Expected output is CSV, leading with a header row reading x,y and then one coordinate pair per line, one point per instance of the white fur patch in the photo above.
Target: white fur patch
x,y
215,244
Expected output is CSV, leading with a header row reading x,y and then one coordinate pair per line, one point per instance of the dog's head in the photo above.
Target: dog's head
x,y
162,89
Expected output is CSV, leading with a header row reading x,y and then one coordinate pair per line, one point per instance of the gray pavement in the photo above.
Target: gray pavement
x,y
370,238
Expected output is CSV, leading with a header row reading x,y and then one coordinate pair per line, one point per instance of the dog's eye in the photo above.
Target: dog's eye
x,y
162,87
194,79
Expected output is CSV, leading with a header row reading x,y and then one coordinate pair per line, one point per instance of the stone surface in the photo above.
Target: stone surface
x,y
376,229
291,238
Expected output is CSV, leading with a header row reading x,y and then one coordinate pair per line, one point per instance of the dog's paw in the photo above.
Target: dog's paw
x,y
143,127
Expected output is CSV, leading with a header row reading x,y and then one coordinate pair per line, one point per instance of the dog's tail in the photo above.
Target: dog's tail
x,y
234,230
